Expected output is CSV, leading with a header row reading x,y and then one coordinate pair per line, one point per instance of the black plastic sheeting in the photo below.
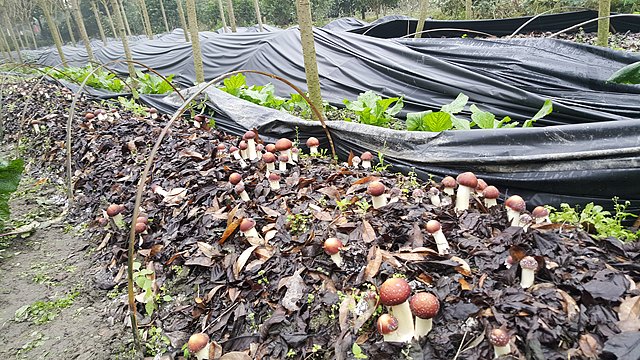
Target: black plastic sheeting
x,y
395,28
551,165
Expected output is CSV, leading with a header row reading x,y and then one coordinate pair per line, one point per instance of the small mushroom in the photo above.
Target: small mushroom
x,y
153,113
235,152
394,293
434,196
376,190
199,346
248,228
490,194
332,247
449,184
244,149
274,181
241,192
250,137
541,215
270,160
467,183
282,161
500,341
528,265
515,206
480,187
387,326
355,162
235,179
424,306
366,158
417,195
435,229
313,144
270,148
284,147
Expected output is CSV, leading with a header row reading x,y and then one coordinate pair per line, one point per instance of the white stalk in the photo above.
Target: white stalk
x,y
271,167
441,242
392,337
244,196
448,191
527,278
154,116
252,233
251,144
283,166
379,201
337,259
435,200
244,154
204,353
274,185
294,157
490,202
423,326
366,164
288,153
462,199
544,220
501,350
403,313
513,216
313,149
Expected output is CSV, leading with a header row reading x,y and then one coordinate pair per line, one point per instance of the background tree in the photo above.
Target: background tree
x,y
164,16
604,10
183,21
468,9
309,53
119,23
67,19
145,17
195,41
98,17
125,18
224,21
105,4
77,15
232,16
256,4
47,8
422,19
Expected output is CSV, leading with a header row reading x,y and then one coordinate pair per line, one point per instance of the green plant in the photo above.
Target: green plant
x,y
100,79
10,173
371,109
145,278
156,342
291,353
343,204
381,165
363,206
41,312
357,352
629,74
149,83
298,223
132,105
263,279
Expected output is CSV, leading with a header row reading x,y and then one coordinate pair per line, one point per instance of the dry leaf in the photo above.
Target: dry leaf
x,y
368,233
343,312
242,260
295,290
231,228
373,264
464,285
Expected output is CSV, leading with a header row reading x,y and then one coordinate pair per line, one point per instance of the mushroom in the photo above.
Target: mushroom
x,y
235,179
313,144
140,227
424,306
541,215
515,205
240,191
480,187
221,149
248,228
284,147
387,326
417,195
153,112
490,194
435,229
528,264
366,158
332,247
524,221
355,162
274,181
500,341
434,196
449,184
270,148
199,345
270,160
244,149
89,116
249,137
467,183
294,154
376,190
114,211
394,293
283,159
259,148
236,155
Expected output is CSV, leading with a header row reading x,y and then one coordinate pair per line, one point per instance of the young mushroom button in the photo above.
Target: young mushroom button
x,y
515,206
198,345
529,265
332,247
387,326
394,293
249,137
284,147
424,306
376,190
500,340
490,194
366,158
313,144
467,182
449,184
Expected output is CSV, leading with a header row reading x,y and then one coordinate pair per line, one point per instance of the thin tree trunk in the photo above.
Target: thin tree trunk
x,y
20,36
422,19
113,26
83,31
309,53
12,35
123,13
604,9
468,9
67,18
232,17
98,17
164,16
33,38
183,21
195,40
119,23
257,6
53,29
224,21
5,45
145,17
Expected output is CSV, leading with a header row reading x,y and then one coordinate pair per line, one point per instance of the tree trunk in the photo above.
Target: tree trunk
x,y
113,26
12,35
53,29
224,21
232,17
603,24
33,38
98,17
83,31
145,17
122,33
195,40
67,18
256,4
183,21
125,20
468,9
164,17
20,36
5,45
422,19
309,53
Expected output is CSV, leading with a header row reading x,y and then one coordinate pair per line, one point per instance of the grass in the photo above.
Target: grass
x,y
41,312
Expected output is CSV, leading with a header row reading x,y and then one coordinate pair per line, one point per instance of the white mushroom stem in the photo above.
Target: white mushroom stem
x,y
294,157
441,242
282,166
392,337
204,353
423,326
238,157
270,167
448,191
379,201
527,278
403,313
244,154
337,259
251,144
244,196
462,199
501,350
313,149
288,153
274,185
543,220
513,216
366,164
435,199
490,202
252,233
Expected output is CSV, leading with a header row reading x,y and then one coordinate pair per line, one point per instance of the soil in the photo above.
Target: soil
x,y
51,263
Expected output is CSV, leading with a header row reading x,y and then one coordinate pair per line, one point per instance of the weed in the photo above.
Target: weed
x,y
357,352
363,206
38,340
156,343
298,223
291,353
263,280
381,166
343,204
41,312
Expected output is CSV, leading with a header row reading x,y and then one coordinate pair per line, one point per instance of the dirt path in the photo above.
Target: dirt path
x,y
49,305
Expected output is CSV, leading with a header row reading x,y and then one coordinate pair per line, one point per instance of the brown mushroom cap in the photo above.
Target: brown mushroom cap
x,y
249,135
434,191
467,179
491,192
332,246
142,219
540,212
113,210
366,156
200,118
394,291
89,116
233,149
516,203
283,158
269,158
481,185
433,226
417,193
311,142
239,188
283,144
140,227
448,182
259,147
376,188
274,177
222,147
295,150
152,110
424,305
529,263
387,324
198,342
243,145
247,224
270,148
235,178
499,337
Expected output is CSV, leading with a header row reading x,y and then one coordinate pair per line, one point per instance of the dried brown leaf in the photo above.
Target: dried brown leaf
x,y
368,233
231,228
373,264
242,260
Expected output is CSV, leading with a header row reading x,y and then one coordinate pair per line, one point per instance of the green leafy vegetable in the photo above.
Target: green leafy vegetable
x,y
456,105
629,74
10,173
546,109
234,84
149,83
371,109
429,121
